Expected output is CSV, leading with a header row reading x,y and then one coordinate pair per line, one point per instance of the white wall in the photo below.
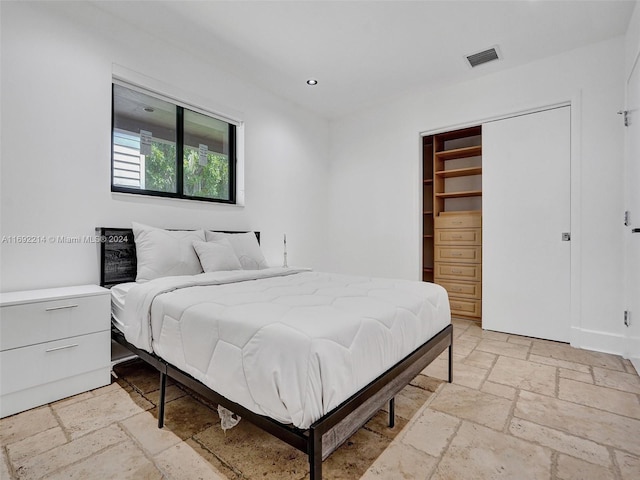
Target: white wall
x,y
57,64
375,187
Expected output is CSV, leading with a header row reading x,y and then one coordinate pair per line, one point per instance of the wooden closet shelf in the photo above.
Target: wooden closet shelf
x,y
465,152
468,193
460,172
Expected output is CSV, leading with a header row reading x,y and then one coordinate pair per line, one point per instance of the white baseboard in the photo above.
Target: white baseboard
x,y
598,341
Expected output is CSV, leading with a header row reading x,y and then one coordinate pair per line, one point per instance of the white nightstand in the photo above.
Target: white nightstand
x,y
54,343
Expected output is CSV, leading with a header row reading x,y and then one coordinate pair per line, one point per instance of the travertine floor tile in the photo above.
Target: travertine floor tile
x,y
429,384
26,424
464,346
627,382
181,462
587,422
36,444
466,403
76,398
570,468
622,403
628,366
401,462
431,432
584,434
469,375
439,369
629,465
186,416
477,331
409,400
38,466
172,392
520,340
97,412
480,359
4,467
121,462
270,457
560,441
562,351
479,453
144,428
498,390
554,362
530,376
504,348
578,376
355,456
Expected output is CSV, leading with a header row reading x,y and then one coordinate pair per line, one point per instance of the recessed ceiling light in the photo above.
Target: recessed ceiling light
x,y
312,81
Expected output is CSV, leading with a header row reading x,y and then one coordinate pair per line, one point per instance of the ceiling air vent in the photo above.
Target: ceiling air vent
x,y
483,57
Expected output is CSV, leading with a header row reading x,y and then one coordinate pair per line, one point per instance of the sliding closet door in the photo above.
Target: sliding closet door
x,y
526,211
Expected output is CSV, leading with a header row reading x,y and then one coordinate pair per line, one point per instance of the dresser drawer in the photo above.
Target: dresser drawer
x,y
22,368
39,322
471,290
462,236
457,272
470,308
461,254
458,220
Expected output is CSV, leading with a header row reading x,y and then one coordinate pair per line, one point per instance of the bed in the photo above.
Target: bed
x,y
308,356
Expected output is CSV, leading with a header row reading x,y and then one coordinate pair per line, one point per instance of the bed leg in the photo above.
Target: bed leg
x,y
315,455
451,363
163,390
392,412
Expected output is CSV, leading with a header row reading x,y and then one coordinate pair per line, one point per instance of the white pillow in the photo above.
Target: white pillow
x,y
162,253
217,256
246,247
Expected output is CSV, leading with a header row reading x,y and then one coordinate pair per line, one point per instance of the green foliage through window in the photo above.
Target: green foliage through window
x,y
149,134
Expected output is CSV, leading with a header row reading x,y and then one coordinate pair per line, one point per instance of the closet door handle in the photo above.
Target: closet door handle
x,y
635,230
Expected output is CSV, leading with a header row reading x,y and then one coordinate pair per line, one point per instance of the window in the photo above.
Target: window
x,y
164,149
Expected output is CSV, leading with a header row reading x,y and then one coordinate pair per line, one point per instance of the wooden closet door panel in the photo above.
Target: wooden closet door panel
x,y
526,208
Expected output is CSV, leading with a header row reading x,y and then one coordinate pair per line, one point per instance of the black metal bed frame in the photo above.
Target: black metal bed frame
x,y
117,256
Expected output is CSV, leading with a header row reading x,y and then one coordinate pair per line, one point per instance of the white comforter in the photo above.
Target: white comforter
x,y
286,343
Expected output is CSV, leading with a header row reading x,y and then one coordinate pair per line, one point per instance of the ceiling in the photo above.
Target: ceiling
x,y
366,52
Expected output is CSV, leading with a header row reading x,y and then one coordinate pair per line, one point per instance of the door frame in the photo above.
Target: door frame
x,y
578,337
628,351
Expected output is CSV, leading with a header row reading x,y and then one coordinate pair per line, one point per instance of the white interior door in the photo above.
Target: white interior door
x,y
526,268
632,202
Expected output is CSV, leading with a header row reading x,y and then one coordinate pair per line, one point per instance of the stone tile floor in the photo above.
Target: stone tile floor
x,y
519,408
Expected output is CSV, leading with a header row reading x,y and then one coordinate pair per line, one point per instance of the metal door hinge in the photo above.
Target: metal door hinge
x,y
627,218
627,318
566,236
625,116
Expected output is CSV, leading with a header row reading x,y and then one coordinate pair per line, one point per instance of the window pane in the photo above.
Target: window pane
x,y
144,141
206,156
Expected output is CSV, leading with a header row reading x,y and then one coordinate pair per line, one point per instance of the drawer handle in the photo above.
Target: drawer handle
x,y
456,254
456,237
455,270
60,308
456,289
61,348
456,222
457,306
